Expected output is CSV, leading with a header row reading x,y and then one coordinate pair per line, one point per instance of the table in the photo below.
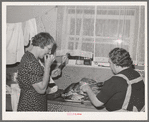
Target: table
x,y
63,106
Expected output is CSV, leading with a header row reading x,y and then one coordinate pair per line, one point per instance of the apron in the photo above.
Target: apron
x,y
128,93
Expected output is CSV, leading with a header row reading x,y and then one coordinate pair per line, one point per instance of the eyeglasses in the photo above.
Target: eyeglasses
x,y
49,48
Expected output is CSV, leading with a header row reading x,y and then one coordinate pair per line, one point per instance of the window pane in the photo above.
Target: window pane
x,y
74,38
124,28
103,12
91,12
70,45
102,50
72,26
79,22
120,27
110,28
71,11
113,28
79,11
113,12
88,27
88,47
127,29
130,12
71,38
106,28
76,45
99,27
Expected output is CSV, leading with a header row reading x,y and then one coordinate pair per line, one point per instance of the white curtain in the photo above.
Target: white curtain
x,y
18,36
140,36
30,30
14,43
95,30
61,25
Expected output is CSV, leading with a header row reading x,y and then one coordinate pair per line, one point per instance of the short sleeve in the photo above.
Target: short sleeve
x,y
108,90
35,73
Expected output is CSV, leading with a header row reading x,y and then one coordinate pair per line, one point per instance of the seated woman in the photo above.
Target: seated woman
x,y
125,90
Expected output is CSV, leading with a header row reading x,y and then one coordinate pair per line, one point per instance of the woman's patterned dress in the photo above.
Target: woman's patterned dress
x,y
30,72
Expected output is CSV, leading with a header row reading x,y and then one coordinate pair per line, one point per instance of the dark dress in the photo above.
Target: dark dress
x,y
30,72
114,90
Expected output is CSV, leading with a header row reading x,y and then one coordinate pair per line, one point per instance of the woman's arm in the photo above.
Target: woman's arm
x,y
94,99
86,88
56,72
42,86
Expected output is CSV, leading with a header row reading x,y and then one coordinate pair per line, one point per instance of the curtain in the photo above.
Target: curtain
x,y
140,53
92,31
14,43
138,44
61,25
30,30
18,36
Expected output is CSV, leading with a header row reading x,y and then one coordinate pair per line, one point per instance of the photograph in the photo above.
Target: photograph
x,y
74,61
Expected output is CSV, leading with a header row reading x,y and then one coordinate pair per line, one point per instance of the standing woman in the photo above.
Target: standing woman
x,y
32,77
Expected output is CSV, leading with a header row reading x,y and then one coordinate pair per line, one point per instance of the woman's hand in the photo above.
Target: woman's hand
x,y
49,59
56,72
65,59
85,87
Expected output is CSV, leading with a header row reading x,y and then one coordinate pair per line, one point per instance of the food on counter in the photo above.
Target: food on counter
x,y
73,91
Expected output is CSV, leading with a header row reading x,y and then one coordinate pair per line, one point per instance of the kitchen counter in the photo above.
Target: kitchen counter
x,y
65,106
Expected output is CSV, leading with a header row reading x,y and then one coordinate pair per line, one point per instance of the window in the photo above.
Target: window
x,y
92,31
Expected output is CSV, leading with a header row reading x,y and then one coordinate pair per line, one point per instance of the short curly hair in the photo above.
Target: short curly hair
x,y
121,57
42,39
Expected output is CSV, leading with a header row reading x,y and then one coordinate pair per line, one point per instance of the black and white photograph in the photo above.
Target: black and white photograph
x,y
74,61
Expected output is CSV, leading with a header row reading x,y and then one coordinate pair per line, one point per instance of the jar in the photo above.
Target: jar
x,y
14,77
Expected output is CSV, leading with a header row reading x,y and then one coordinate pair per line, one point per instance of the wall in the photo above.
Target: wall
x,y
73,74
48,14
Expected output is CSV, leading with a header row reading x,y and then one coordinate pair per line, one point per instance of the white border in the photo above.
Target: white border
x,y
63,115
